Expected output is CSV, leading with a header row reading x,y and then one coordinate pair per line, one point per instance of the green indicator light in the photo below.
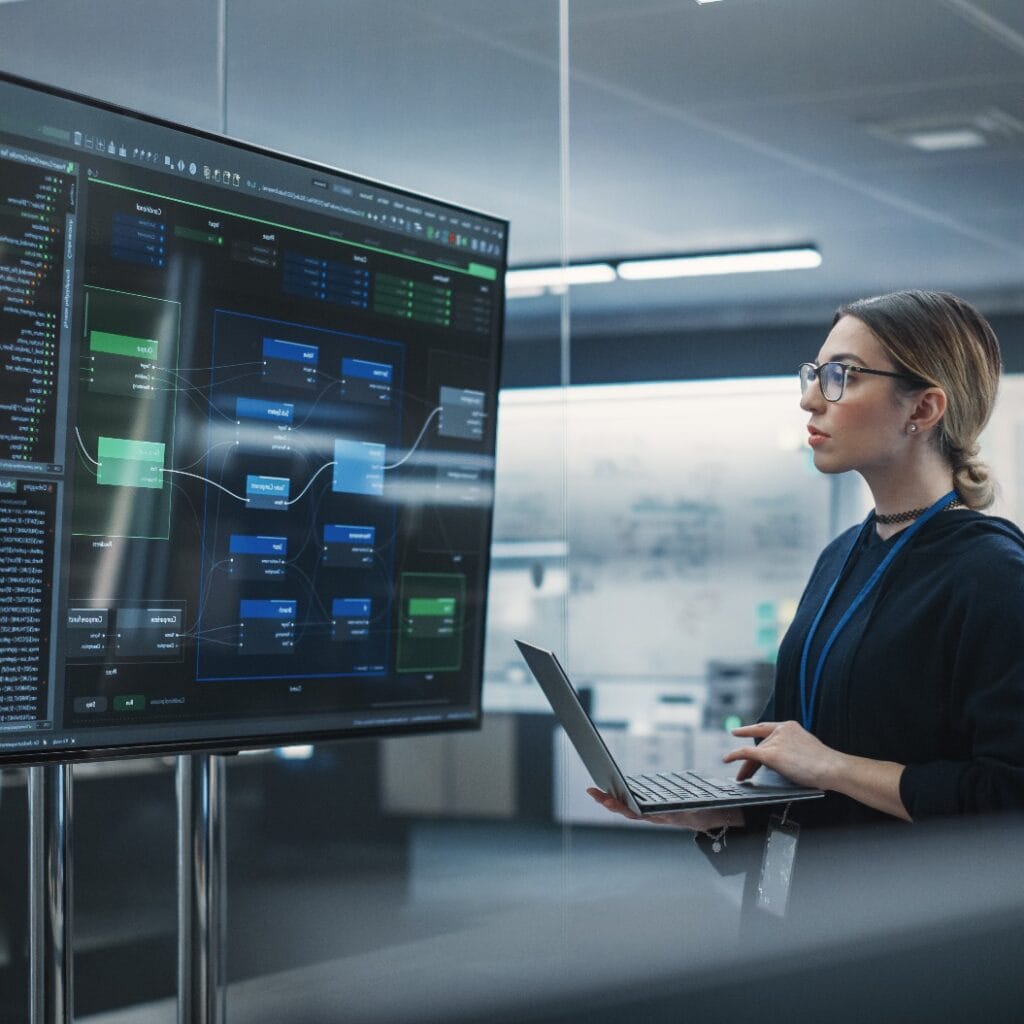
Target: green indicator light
x,y
192,235
732,722
432,606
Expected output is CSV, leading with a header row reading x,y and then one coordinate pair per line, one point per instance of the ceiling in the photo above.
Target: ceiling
x,y
689,128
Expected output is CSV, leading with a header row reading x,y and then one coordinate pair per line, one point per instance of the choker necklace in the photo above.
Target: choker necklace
x,y
908,517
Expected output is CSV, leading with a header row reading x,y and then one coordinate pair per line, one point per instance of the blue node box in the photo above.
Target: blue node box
x,y
366,381
350,618
289,362
256,557
348,547
267,627
267,492
260,409
358,467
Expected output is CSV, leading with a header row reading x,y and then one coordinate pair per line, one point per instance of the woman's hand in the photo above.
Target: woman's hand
x,y
789,749
697,821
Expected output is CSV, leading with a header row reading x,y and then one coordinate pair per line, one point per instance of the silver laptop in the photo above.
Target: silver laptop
x,y
659,791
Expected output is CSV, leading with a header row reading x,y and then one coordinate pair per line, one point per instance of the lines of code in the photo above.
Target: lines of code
x,y
26,551
33,207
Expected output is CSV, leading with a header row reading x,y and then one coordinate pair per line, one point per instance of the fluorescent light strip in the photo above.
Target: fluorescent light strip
x,y
558,277
510,549
804,258
522,284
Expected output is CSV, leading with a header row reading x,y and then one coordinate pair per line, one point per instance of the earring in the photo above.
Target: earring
x,y
912,428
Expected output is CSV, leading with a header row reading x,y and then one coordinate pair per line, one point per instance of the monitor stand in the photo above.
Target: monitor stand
x,y
202,871
51,990
202,892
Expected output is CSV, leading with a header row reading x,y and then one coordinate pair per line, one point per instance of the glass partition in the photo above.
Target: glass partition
x,y
656,512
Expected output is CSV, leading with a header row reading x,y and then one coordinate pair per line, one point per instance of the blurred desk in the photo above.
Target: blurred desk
x,y
937,939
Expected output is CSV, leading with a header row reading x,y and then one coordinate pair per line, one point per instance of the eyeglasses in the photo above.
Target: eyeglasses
x,y
831,378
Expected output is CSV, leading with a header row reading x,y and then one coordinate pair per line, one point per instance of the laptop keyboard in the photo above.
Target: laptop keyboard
x,y
670,787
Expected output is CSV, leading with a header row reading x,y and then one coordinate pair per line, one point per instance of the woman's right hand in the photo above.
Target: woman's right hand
x,y
696,821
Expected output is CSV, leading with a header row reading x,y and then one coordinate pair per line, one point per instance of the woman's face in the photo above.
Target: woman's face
x,y
866,429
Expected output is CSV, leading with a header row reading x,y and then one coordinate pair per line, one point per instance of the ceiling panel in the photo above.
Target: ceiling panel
x,y
734,51
739,123
744,124
1009,12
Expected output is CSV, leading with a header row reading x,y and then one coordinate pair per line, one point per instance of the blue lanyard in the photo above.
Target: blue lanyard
x,y
807,703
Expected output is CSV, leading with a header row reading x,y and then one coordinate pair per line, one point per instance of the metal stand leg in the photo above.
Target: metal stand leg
x,y
201,890
51,995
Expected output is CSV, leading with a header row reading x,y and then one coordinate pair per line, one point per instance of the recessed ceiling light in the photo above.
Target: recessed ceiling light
x,y
934,142
952,130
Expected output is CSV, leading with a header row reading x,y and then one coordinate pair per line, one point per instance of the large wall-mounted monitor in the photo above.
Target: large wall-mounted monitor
x,y
247,427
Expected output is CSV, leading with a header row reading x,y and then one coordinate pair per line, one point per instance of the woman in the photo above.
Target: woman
x,y
900,683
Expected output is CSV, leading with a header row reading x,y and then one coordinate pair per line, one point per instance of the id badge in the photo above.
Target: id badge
x,y
777,865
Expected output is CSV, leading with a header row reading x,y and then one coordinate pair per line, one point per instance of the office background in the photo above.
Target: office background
x,y
655,509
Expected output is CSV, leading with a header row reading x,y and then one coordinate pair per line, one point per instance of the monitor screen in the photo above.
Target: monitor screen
x,y
247,428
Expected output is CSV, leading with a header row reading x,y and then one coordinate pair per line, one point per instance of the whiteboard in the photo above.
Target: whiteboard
x,y
690,514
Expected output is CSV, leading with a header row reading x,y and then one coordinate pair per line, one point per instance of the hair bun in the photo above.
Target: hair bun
x,y
974,483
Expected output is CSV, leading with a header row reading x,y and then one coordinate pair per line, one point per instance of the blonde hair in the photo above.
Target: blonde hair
x,y
946,343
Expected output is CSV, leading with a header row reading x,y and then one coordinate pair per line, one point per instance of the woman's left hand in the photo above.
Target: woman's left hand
x,y
789,749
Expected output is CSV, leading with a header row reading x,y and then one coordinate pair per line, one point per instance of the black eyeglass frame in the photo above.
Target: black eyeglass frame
x,y
847,367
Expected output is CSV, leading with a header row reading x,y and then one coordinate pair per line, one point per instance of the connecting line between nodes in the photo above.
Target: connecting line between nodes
x,y
298,497
210,451
207,480
301,494
415,444
81,444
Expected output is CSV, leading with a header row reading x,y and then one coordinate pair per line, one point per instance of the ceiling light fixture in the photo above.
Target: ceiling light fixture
x,y
757,261
935,142
531,282
953,130
528,281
